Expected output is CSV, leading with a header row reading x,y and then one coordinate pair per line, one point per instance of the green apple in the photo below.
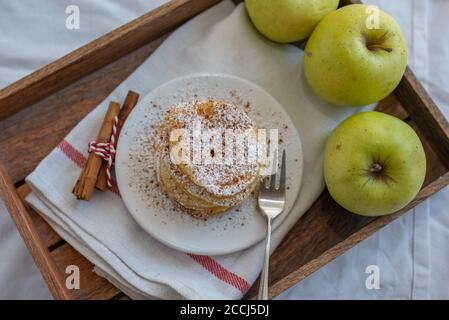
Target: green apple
x,y
350,61
374,164
288,20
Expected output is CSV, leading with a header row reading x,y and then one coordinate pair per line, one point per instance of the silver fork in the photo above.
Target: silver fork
x,y
271,202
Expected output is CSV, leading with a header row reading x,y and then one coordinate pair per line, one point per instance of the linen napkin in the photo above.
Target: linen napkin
x,y
222,39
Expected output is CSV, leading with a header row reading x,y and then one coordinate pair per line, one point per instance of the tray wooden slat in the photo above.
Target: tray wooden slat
x,y
48,236
38,111
32,240
91,285
29,135
424,112
392,106
97,54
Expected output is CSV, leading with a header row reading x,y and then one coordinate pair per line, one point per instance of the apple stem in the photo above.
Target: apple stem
x,y
375,168
372,47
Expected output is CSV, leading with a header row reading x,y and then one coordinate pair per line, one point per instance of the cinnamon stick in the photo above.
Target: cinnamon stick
x,y
128,105
86,182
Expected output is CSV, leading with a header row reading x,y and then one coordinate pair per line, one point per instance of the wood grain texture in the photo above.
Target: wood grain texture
x,y
393,107
97,54
424,112
92,287
32,133
49,237
30,235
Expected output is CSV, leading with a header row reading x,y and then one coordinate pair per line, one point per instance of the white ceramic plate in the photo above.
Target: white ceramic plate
x,y
136,164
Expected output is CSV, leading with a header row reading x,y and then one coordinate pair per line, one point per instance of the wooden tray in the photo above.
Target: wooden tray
x,y
37,111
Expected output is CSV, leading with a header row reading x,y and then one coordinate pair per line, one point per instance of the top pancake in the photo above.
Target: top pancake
x,y
212,166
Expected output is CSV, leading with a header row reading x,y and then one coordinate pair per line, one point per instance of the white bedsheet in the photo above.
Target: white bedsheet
x,y
412,254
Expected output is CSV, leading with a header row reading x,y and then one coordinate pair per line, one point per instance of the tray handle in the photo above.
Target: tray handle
x,y
33,242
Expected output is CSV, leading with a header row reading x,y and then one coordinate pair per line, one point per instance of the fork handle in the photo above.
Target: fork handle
x,y
263,287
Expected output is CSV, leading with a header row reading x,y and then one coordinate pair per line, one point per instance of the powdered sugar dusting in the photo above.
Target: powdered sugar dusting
x,y
218,178
143,164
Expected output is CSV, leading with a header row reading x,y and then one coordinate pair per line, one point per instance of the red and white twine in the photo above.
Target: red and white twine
x,y
106,151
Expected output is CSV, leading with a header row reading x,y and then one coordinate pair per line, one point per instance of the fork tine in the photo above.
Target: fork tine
x,y
274,167
283,172
273,181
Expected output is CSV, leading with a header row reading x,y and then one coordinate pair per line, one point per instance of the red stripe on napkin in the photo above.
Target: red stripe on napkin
x,y
209,264
77,157
221,273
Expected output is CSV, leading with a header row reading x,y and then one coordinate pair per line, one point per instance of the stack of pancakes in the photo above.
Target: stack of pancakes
x,y
205,186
